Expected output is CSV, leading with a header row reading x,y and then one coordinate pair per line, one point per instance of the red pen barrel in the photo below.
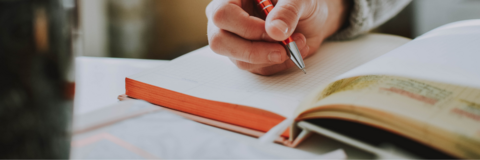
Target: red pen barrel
x,y
287,41
292,50
267,6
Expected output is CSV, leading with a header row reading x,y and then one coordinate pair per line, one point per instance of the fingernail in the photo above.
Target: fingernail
x,y
296,38
305,51
275,57
299,40
280,25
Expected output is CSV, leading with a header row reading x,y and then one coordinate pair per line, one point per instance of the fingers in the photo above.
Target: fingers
x,y
230,16
283,19
273,69
263,69
256,52
232,32
229,44
269,69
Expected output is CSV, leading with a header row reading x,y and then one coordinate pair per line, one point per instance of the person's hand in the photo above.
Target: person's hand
x,y
234,30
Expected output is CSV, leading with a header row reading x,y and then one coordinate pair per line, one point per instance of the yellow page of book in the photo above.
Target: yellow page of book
x,y
446,55
441,115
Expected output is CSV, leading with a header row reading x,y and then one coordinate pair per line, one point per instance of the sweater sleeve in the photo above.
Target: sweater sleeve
x,y
368,14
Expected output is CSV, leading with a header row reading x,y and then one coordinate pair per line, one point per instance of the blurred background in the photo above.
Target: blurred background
x,y
152,29
160,29
41,38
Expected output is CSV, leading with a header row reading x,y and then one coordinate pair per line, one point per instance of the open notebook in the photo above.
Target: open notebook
x,y
217,87
418,90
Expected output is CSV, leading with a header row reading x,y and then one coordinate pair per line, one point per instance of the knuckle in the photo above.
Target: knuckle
x,y
248,30
219,15
250,54
216,42
252,31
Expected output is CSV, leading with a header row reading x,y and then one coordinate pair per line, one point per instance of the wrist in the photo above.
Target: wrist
x,y
338,14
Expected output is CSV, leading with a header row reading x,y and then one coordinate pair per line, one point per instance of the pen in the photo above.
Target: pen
x,y
292,50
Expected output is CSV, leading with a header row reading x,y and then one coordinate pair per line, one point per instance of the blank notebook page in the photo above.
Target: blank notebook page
x,y
205,74
448,54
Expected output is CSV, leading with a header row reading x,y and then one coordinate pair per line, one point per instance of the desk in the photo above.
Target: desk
x,y
99,82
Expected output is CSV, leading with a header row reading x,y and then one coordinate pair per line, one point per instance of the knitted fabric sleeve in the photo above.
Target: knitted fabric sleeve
x,y
368,14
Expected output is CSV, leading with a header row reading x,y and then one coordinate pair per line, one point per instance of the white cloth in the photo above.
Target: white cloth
x,y
368,14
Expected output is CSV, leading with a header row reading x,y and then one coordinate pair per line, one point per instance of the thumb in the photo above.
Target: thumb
x,y
283,19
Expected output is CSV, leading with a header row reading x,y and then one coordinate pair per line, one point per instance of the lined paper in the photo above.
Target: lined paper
x,y
207,75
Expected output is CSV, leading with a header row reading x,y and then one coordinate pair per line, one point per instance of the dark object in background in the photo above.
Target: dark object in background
x,y
402,24
35,91
379,137
130,27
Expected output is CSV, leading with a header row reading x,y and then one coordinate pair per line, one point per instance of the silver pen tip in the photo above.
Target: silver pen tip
x,y
304,70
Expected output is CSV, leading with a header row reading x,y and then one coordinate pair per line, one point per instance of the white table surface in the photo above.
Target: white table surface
x,y
100,80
